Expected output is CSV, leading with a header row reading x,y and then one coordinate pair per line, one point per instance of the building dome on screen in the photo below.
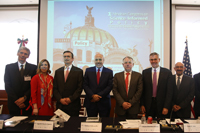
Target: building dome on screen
x,y
86,41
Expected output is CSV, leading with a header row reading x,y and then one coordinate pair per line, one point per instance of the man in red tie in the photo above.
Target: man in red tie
x,y
157,90
97,86
67,86
127,89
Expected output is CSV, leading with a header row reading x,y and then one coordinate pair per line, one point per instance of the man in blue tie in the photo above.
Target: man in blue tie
x,y
157,91
97,86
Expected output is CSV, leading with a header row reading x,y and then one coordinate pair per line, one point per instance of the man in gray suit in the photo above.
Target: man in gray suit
x,y
127,89
183,92
67,86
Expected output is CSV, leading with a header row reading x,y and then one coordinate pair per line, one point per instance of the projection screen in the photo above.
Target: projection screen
x,y
113,28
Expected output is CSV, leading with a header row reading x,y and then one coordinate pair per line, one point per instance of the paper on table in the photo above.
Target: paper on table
x,y
130,124
192,121
16,118
59,112
133,121
174,122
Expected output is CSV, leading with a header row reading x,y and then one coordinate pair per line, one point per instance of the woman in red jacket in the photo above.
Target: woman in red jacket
x,y
42,90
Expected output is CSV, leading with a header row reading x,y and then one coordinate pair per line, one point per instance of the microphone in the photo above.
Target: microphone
x,y
170,126
113,126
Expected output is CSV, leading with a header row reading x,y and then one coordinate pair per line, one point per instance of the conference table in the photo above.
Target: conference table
x,y
72,125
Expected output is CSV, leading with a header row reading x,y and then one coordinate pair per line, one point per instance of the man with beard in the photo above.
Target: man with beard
x,y
97,86
127,89
183,92
157,91
67,86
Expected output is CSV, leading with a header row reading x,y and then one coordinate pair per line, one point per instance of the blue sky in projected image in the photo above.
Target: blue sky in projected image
x,y
66,11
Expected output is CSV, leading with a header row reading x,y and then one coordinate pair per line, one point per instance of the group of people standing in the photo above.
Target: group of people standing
x,y
155,92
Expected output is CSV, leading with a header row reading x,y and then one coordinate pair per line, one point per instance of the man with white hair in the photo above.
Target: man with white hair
x,y
127,90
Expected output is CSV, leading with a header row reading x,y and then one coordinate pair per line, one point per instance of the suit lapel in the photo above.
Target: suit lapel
x,y
26,71
102,75
122,79
159,78
131,82
182,84
18,74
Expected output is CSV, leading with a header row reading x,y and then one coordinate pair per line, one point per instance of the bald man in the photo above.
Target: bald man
x,y
183,92
97,86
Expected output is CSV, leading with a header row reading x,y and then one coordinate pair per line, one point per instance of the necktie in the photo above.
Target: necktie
x,y
22,71
98,76
178,82
154,83
126,82
66,74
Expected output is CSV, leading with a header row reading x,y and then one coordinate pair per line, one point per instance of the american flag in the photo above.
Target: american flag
x,y
188,72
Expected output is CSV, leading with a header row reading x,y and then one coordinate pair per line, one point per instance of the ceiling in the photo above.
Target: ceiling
x,y
22,2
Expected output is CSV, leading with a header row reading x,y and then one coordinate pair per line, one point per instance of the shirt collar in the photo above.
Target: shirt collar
x,y
179,76
157,69
19,64
100,69
127,72
70,66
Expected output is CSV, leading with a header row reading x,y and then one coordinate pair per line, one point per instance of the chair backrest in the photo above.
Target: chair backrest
x,y
1,108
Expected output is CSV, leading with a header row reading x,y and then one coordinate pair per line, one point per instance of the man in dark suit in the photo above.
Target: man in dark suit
x,y
17,83
183,92
197,95
127,90
67,86
157,91
97,85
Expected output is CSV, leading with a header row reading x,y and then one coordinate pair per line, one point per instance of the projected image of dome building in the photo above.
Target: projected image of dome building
x,y
85,41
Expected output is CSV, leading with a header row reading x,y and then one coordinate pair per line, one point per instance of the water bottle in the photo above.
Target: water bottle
x,y
61,121
198,120
143,119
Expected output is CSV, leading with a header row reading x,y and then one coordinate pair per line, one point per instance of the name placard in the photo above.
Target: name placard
x,y
149,128
91,127
43,125
191,127
1,124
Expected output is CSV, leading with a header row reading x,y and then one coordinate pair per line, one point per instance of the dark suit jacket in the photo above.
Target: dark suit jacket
x,y
164,90
197,95
103,89
134,94
15,85
183,96
72,88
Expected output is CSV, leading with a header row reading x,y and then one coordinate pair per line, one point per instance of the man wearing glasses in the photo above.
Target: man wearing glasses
x,y
183,92
97,86
127,90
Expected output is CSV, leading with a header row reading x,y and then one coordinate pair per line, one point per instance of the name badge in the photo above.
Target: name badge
x,y
91,127
27,78
149,128
191,127
43,125
1,124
